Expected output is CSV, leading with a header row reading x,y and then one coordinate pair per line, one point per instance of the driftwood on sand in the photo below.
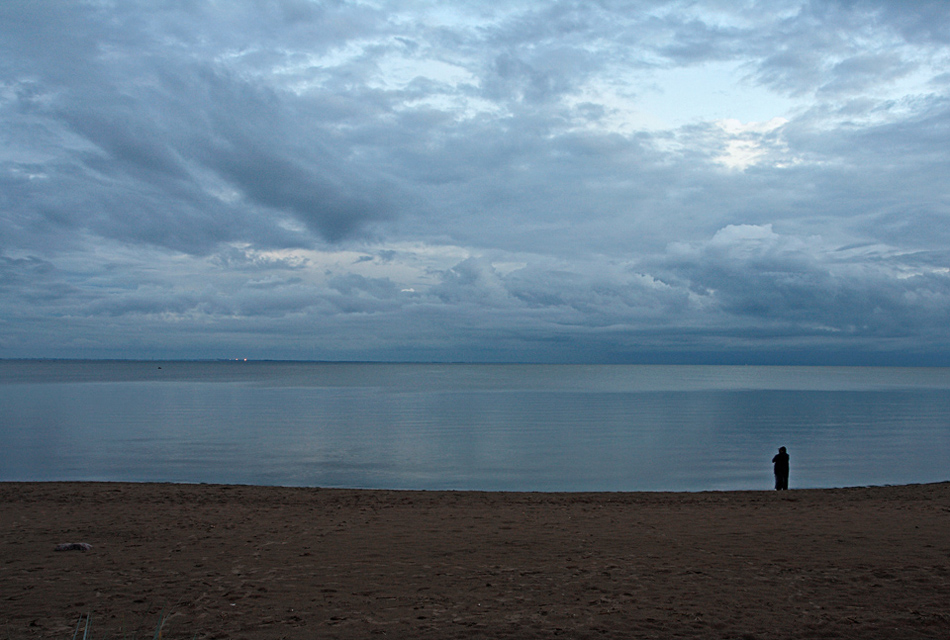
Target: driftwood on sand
x,y
73,546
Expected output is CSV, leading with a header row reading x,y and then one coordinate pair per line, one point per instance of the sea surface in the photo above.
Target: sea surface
x,y
482,427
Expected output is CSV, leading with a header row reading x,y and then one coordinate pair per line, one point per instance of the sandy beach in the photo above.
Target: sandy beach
x,y
270,562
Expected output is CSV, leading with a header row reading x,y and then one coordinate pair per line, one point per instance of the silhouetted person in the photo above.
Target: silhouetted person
x,y
781,469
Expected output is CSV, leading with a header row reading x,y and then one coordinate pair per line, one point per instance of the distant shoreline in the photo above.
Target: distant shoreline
x,y
659,362
213,485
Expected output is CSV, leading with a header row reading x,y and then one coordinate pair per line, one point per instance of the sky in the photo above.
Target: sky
x,y
597,181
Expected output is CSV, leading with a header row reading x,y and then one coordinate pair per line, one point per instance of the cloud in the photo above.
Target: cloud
x,y
533,180
861,73
159,130
23,271
750,271
354,284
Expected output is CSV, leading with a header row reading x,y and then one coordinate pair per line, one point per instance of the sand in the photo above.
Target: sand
x,y
267,562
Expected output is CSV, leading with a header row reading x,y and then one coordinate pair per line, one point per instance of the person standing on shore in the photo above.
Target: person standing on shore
x,y
780,462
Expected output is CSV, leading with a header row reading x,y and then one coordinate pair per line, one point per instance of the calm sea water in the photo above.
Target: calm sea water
x,y
491,427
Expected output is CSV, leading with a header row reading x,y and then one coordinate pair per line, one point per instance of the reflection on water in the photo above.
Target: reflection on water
x,y
493,427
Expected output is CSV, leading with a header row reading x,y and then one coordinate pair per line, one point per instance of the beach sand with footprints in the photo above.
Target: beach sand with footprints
x,y
272,562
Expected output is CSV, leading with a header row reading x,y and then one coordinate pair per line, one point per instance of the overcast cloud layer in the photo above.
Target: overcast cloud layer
x,y
627,181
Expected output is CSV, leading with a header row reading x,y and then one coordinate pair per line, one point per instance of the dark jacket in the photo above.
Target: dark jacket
x,y
781,463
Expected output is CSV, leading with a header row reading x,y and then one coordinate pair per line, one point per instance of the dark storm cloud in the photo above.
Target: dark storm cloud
x,y
334,208
159,131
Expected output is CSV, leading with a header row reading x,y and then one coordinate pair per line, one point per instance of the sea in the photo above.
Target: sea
x,y
493,427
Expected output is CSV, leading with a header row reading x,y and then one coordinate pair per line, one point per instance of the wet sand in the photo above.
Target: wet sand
x,y
269,562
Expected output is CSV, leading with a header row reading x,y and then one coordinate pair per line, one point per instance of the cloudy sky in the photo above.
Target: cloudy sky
x,y
589,181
